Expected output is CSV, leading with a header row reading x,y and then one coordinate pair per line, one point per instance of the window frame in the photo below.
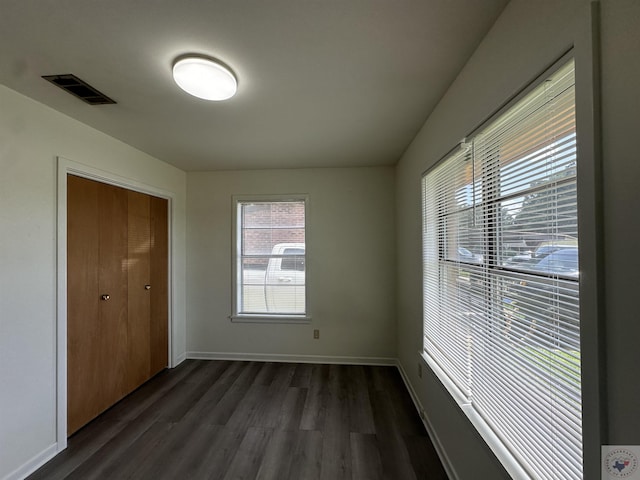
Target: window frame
x,y
590,267
264,317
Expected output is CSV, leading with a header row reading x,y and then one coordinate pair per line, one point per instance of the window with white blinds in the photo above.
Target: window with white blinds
x,y
501,281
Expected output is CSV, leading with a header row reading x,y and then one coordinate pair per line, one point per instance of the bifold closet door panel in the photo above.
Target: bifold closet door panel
x,y
159,326
83,327
117,294
96,298
139,274
113,282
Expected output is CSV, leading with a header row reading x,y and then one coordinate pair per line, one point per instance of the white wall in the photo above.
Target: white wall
x,y
350,265
620,111
31,137
527,37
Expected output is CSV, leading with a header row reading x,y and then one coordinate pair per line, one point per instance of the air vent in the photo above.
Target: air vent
x,y
78,88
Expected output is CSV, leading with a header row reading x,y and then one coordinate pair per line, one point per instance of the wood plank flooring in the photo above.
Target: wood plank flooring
x,y
251,420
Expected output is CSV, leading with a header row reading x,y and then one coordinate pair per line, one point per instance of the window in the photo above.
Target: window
x,y
501,281
270,254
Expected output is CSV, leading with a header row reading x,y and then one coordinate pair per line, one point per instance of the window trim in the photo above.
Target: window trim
x,y
281,318
590,233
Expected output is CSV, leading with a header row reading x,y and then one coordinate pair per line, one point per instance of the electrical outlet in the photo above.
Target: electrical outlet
x,y
420,370
316,334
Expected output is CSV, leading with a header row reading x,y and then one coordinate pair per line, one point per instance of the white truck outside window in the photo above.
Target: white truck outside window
x,y
270,259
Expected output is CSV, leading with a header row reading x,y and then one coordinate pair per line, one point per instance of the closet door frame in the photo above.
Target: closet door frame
x,y
66,167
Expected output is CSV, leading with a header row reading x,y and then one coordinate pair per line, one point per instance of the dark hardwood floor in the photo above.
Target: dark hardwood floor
x,y
251,420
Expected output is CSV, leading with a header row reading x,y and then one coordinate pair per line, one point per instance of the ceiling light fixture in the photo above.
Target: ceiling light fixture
x,y
204,78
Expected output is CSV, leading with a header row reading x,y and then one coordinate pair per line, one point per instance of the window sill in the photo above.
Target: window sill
x,y
270,318
497,446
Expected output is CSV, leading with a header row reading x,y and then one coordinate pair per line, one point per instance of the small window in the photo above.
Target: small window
x,y
270,259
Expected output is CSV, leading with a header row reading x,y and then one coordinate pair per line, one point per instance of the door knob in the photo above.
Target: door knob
x,y
147,287
105,297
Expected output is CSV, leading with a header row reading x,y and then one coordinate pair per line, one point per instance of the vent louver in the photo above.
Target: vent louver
x,y
79,88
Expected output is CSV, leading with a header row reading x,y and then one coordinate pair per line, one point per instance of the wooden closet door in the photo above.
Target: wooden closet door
x,y
139,295
117,294
159,326
96,298
113,280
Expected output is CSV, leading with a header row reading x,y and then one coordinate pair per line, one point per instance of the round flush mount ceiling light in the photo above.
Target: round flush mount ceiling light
x,y
204,78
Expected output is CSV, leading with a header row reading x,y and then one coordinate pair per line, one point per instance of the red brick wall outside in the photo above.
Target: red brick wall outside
x,y
268,224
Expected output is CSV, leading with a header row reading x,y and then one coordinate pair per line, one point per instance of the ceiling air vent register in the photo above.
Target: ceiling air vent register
x,y
79,88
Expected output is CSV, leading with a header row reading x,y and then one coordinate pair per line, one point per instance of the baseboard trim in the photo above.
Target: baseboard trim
x,y
269,357
435,440
33,464
179,359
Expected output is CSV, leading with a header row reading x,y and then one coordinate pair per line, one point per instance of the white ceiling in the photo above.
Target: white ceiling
x,y
322,83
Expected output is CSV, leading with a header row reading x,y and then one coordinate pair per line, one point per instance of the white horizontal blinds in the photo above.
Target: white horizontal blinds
x,y
528,156
448,263
271,277
519,356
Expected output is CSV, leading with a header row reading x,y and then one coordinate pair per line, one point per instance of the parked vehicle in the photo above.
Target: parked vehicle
x,y
544,250
533,257
466,255
562,261
519,258
278,286
528,300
